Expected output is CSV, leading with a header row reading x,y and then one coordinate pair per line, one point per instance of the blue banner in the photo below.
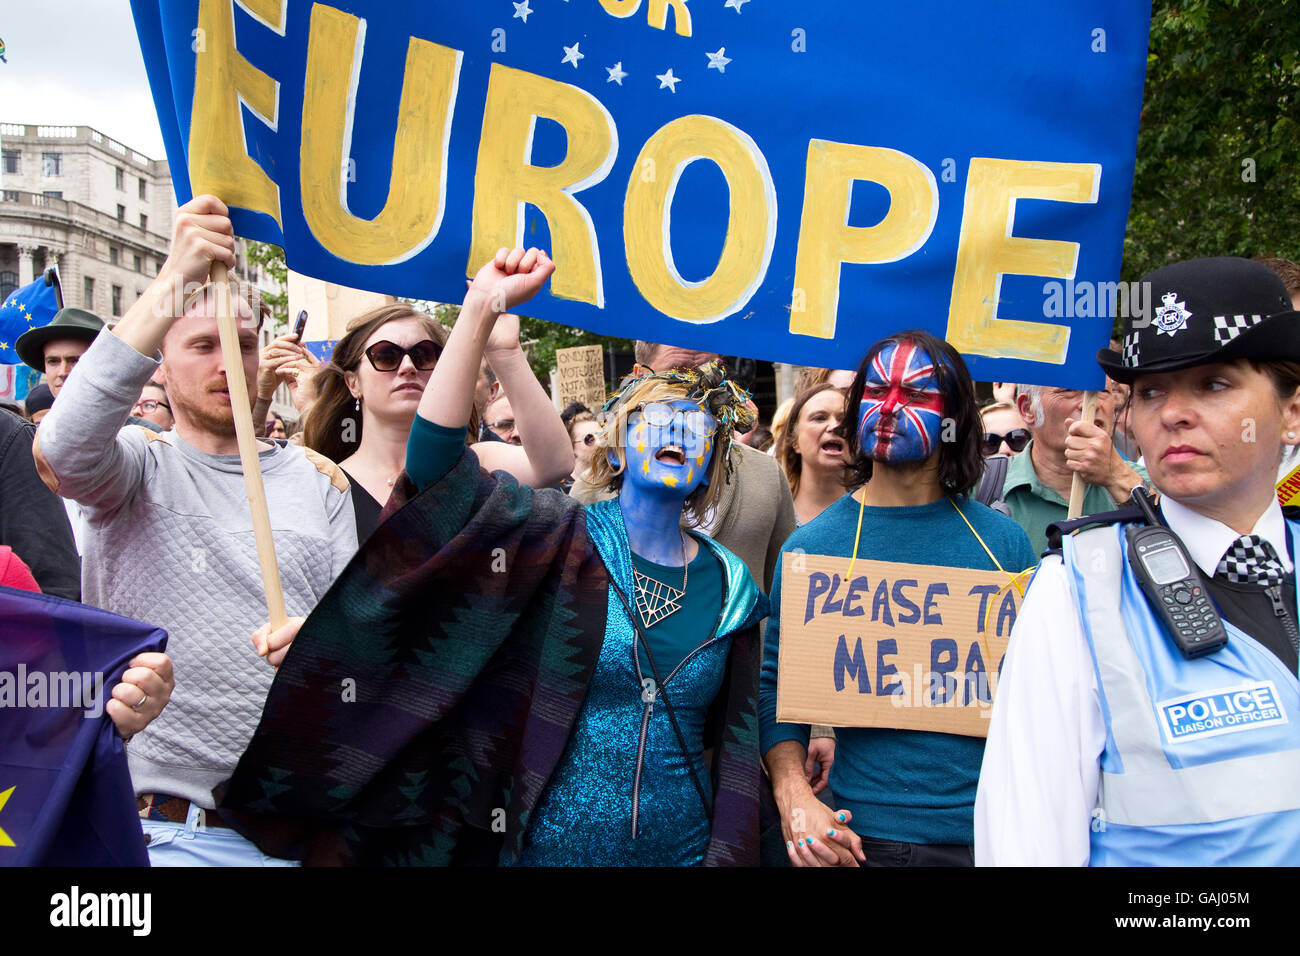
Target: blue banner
x,y
66,797
788,181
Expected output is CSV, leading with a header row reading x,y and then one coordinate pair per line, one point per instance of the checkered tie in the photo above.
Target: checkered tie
x,y
1251,560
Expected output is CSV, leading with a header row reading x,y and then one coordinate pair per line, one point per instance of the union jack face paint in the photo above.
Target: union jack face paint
x,y
902,407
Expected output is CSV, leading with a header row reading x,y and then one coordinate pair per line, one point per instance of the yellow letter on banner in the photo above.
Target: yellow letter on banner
x,y
621,8
987,249
657,15
413,210
219,163
505,179
751,222
826,239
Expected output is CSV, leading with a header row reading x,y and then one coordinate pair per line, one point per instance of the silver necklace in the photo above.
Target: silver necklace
x,y
656,600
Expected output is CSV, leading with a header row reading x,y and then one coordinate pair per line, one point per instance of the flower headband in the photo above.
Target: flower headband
x,y
706,384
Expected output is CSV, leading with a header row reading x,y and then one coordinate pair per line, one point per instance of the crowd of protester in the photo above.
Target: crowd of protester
x,y
129,496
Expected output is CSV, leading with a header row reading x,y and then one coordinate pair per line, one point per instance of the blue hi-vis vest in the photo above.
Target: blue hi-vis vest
x,y
1202,759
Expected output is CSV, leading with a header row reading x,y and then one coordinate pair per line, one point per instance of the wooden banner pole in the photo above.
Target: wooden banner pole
x,y
1077,485
242,409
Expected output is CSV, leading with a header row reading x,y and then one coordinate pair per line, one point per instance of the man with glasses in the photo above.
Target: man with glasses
x,y
500,420
1037,486
153,409
169,537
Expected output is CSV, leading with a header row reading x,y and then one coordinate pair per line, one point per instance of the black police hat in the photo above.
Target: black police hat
x,y
1205,311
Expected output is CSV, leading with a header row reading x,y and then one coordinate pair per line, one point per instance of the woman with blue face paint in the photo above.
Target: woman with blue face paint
x,y
903,797
551,684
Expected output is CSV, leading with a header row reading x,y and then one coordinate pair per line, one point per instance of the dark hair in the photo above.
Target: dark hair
x,y
785,454
1285,375
571,410
960,461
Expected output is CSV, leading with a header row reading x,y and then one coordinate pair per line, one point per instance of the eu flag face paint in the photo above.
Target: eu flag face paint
x,y
902,407
669,457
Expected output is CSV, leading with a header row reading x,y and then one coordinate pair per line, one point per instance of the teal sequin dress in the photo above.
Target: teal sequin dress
x,y
624,767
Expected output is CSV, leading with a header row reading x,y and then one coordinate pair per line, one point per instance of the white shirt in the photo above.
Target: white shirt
x,y
1042,763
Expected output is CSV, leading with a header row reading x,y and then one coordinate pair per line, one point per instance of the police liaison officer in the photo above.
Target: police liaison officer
x,y
1107,745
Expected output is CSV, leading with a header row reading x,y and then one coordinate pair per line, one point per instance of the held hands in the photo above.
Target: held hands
x,y
821,750
274,645
815,835
512,277
143,692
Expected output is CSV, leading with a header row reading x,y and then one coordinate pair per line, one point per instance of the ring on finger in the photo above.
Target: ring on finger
x,y
140,703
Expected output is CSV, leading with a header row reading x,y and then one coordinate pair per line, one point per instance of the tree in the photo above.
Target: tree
x,y
1216,167
541,338
271,258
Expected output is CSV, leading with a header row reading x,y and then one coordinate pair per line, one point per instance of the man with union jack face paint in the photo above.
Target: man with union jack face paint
x,y
901,797
902,408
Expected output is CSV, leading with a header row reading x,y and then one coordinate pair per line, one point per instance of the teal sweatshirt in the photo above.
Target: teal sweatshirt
x,y
904,785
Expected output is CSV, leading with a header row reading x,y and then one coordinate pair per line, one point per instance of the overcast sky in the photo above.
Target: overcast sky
x,y
77,62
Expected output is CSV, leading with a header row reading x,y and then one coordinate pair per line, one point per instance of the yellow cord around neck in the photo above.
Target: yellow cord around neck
x,y
1016,580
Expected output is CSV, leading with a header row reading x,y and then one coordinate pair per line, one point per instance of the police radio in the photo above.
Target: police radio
x,y
1172,584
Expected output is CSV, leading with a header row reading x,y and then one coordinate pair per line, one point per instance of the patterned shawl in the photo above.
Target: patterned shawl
x,y
430,695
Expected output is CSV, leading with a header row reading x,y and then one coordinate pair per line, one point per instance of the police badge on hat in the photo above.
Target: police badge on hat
x,y
1242,311
1172,316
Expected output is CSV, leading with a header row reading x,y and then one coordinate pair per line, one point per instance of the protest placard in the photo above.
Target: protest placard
x,y
908,646
791,181
580,376
1288,489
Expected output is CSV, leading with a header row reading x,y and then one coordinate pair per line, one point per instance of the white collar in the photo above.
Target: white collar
x,y
1207,539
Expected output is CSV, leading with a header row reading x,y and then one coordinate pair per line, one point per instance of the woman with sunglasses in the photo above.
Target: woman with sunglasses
x,y
539,682
583,429
1004,430
369,390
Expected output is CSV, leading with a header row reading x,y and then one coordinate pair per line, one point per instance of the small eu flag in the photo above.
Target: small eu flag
x,y
30,307
66,797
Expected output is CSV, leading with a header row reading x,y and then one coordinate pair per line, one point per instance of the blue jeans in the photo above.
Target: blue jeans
x,y
192,844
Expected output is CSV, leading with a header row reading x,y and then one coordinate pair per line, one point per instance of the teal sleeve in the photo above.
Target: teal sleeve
x,y
431,450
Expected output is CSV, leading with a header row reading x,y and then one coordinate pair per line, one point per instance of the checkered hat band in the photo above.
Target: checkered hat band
x,y
1130,355
1228,327
1251,560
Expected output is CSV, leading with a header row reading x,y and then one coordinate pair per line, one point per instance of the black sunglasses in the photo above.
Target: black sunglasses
x,y
386,356
1016,440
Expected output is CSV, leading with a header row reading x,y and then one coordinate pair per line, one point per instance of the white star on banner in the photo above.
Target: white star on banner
x,y
616,73
735,4
571,55
668,80
717,61
521,11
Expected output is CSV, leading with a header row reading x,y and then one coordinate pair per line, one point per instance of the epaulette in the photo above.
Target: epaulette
x,y
1057,530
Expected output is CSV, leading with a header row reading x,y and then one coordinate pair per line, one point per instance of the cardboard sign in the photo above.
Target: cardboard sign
x,y
704,174
1288,489
906,646
580,376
